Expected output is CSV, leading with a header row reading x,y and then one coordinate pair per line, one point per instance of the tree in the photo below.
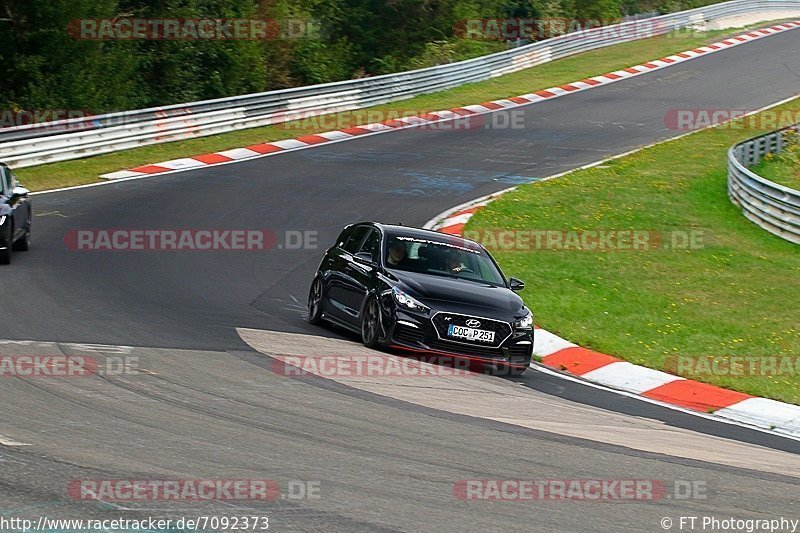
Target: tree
x,y
598,9
44,67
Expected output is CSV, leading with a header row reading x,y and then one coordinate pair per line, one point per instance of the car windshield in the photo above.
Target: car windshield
x,y
455,258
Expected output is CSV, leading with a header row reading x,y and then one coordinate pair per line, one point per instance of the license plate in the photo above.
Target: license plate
x,y
471,334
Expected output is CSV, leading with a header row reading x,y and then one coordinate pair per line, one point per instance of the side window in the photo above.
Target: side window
x,y
373,245
343,236
353,241
6,179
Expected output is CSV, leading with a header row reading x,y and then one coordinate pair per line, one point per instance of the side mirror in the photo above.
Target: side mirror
x,y
515,284
17,193
364,258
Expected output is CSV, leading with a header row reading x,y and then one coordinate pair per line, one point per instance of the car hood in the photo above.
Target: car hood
x,y
439,291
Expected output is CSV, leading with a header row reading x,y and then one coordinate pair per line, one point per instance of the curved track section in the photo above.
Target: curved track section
x,y
208,405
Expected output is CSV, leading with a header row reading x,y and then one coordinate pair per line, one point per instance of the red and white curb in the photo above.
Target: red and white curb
x,y
595,367
290,145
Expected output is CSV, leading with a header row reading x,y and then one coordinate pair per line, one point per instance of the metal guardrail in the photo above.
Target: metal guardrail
x,y
772,206
77,138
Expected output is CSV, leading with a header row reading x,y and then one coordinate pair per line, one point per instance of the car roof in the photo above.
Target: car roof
x,y
394,230
405,231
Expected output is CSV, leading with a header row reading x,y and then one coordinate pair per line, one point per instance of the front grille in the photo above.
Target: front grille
x,y
517,353
407,334
466,349
501,329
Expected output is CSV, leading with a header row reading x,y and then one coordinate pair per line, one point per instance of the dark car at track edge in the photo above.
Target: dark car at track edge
x,y
15,215
423,291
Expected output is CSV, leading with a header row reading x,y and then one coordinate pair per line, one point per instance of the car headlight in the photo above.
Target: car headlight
x,y
408,302
524,323
2,220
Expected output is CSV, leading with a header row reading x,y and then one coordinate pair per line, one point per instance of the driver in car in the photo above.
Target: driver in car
x,y
398,255
453,261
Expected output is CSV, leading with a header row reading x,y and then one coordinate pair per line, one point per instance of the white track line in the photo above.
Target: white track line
x,y
5,441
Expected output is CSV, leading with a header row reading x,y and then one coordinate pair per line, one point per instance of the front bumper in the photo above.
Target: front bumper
x,y
417,333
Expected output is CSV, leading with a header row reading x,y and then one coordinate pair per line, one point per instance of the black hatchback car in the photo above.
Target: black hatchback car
x,y
423,291
15,215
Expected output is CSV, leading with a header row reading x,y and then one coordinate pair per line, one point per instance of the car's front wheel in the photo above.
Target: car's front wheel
x,y
517,371
507,371
23,244
315,303
370,323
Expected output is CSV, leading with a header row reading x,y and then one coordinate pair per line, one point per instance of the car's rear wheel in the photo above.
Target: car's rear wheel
x,y
315,303
5,255
370,323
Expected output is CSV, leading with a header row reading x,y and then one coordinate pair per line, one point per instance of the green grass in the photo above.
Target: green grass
x,y
783,168
566,70
737,295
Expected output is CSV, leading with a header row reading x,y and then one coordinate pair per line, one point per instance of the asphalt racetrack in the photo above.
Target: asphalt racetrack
x,y
386,456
